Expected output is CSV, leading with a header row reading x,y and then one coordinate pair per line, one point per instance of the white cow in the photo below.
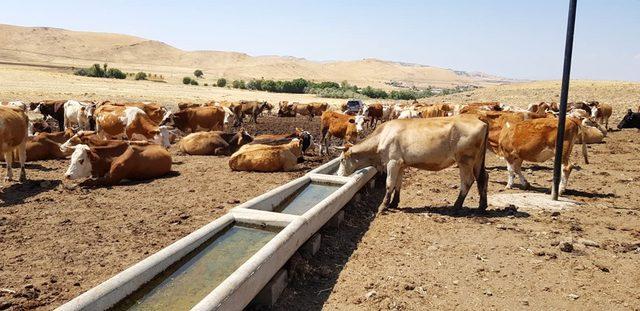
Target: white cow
x,y
77,114
16,103
409,113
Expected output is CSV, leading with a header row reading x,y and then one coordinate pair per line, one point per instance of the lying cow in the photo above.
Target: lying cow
x,y
13,137
341,126
430,144
267,158
630,120
594,133
113,163
78,114
535,141
274,139
214,143
129,121
46,146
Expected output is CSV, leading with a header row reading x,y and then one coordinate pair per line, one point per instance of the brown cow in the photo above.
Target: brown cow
x,y
535,141
339,125
497,121
209,118
267,158
13,136
214,143
112,163
374,113
53,108
317,109
253,109
155,111
46,146
183,106
601,113
127,121
474,107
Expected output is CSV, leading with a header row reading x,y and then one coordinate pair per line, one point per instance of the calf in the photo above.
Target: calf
x,y
13,136
214,143
535,141
78,114
630,120
113,163
339,125
429,144
267,158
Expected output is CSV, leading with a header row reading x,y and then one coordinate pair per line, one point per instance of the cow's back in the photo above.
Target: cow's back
x,y
263,158
145,162
202,143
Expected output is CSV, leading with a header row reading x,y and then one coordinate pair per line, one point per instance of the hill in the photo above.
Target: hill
x,y
53,46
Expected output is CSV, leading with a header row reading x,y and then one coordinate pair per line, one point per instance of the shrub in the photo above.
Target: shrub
x,y
221,82
268,85
115,73
194,82
206,84
238,84
141,76
254,85
374,93
198,73
186,80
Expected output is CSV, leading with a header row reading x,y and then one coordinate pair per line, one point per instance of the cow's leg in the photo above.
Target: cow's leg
x,y
517,166
482,180
22,157
511,174
324,141
393,170
396,195
8,158
466,181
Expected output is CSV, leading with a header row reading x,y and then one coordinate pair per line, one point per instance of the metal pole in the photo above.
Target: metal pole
x,y
564,92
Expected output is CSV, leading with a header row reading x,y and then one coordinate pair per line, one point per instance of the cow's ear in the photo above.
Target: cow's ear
x,y
352,120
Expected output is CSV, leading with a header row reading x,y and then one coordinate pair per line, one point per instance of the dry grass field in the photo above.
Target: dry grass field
x,y
59,241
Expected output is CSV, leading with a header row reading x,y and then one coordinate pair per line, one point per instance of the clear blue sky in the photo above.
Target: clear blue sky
x,y
518,39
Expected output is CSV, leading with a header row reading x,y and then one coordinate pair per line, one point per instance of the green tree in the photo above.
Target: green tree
x,y
198,73
141,76
186,80
221,82
194,82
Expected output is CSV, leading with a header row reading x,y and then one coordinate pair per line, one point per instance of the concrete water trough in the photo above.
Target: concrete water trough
x,y
223,265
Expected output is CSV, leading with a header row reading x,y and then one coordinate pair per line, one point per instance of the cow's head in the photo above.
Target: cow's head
x,y
307,140
80,164
162,136
359,121
630,120
348,163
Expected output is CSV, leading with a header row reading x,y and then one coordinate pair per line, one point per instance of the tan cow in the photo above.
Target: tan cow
x,y
594,133
267,158
214,142
253,109
13,136
437,110
535,141
341,126
483,106
118,161
183,106
129,121
497,121
429,144
155,111
317,109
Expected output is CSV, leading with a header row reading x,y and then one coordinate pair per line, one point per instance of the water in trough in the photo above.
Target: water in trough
x,y
306,198
191,279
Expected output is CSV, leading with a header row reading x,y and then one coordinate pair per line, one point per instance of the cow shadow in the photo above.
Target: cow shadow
x,y
314,278
449,210
533,167
30,166
17,193
569,192
91,183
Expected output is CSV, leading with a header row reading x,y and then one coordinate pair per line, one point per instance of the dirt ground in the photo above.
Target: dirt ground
x,y
59,241
422,255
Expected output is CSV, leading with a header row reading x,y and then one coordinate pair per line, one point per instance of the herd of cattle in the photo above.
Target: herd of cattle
x,y
110,142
